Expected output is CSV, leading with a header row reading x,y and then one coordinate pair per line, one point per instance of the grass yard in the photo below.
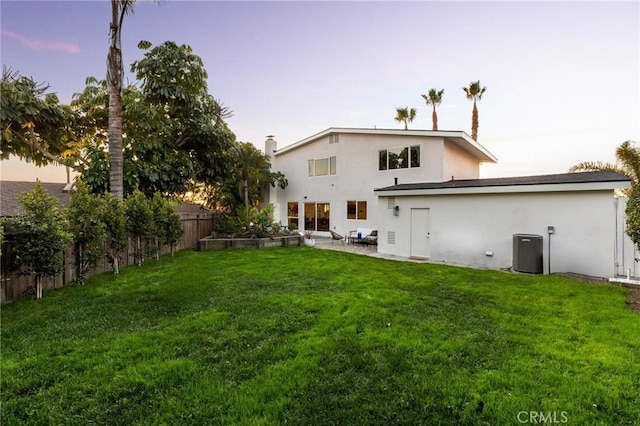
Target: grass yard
x,y
313,337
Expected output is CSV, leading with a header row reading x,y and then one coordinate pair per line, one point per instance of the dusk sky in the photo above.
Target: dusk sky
x,y
562,78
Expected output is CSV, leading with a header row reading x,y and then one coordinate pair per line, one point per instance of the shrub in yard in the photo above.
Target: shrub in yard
x,y
113,216
87,229
251,222
167,223
140,225
41,238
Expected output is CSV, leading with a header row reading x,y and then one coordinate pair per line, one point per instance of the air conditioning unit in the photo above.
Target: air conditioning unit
x,y
527,253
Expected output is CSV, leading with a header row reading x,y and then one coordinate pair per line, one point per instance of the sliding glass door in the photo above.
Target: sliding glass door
x,y
316,216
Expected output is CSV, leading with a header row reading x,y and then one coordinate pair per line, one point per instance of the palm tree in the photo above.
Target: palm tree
x,y
250,161
405,115
474,93
115,75
434,98
627,164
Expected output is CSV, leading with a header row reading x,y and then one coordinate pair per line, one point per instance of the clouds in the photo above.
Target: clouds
x,y
38,44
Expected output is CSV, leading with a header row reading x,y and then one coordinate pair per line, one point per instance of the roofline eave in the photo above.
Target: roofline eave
x,y
507,189
470,146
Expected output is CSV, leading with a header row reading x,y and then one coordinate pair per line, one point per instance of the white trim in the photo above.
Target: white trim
x,y
459,138
564,187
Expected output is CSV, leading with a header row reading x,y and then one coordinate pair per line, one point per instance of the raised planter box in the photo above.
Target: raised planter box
x,y
257,243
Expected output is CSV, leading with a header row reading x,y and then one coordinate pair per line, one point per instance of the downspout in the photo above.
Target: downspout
x,y
549,253
616,203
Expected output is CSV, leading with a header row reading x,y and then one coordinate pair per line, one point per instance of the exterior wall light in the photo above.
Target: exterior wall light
x,y
396,211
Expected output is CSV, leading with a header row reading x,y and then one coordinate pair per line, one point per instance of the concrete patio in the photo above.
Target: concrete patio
x,y
324,243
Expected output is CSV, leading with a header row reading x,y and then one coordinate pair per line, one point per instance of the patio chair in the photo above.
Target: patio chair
x,y
372,238
336,236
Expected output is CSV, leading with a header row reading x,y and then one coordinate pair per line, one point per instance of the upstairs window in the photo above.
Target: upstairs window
x,y
415,156
399,158
382,162
322,166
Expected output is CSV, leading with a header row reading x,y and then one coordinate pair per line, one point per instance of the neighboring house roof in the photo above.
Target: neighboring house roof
x,y
584,181
10,206
459,138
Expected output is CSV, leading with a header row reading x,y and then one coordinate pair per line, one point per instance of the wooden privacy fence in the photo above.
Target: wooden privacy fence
x,y
194,225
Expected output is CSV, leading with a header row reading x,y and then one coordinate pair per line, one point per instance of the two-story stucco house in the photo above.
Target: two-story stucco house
x,y
332,174
422,192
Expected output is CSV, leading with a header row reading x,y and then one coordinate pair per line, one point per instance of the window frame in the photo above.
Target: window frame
x,y
293,214
315,164
357,210
321,213
406,157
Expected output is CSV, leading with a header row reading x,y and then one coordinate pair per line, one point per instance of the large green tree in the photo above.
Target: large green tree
x,y
434,98
405,115
189,135
175,133
35,126
474,93
627,164
248,177
91,135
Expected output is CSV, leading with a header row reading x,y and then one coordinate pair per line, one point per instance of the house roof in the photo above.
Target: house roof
x,y
459,138
10,206
597,180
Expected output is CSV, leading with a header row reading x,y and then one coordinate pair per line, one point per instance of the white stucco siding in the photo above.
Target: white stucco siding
x,y
360,152
458,163
463,228
358,174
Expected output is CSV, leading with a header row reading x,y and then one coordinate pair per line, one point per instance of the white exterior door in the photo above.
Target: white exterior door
x,y
420,234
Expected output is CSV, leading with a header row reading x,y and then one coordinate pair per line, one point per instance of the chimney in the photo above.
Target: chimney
x,y
270,146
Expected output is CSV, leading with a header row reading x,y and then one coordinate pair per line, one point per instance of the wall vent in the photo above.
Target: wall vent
x,y
391,237
391,202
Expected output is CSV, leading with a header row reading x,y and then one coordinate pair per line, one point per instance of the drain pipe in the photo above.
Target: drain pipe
x,y
550,230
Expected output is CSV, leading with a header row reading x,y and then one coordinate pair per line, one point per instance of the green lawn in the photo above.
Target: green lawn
x,y
310,337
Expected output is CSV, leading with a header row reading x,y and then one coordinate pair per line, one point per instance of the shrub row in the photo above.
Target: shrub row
x,y
97,226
